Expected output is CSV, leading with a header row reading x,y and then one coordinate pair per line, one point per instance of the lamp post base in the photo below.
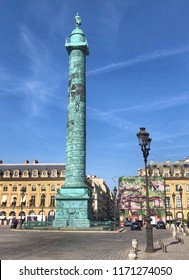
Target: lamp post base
x,y
149,238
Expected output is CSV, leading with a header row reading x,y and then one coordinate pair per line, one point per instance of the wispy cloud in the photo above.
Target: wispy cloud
x,y
156,105
139,59
39,84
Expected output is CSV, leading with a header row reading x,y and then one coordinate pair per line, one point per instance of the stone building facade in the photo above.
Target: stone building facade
x,y
40,182
176,175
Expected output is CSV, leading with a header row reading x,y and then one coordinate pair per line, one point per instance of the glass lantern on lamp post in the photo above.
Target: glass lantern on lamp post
x,y
144,142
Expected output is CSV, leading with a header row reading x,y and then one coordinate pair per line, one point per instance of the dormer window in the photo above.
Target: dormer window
x,y
25,173
7,174
54,173
44,173
35,173
62,173
16,173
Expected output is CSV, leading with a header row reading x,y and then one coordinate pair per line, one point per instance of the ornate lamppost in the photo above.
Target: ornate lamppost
x,y
180,192
173,197
42,204
22,193
144,142
115,206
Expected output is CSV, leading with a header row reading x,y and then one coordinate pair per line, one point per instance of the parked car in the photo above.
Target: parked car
x,y
160,224
128,223
140,222
135,226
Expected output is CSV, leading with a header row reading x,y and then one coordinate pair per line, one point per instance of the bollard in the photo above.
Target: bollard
x,y
132,255
135,244
174,233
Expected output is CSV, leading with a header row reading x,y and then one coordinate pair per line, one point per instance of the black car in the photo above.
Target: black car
x,y
135,226
140,222
160,224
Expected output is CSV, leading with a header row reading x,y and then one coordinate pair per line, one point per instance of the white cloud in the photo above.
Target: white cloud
x,y
139,59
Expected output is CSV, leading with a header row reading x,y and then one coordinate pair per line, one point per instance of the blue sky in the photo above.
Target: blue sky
x,y
137,76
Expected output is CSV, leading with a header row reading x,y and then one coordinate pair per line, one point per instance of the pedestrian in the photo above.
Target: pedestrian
x,y
14,223
188,224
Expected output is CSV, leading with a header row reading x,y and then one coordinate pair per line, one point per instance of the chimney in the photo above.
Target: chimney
x,y
1,161
35,161
26,161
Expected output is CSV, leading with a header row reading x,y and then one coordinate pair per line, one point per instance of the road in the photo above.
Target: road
x,y
87,245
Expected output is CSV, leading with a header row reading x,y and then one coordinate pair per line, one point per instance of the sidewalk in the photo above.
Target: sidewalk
x,y
173,249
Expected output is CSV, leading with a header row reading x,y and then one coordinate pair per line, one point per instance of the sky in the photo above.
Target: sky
x,y
136,75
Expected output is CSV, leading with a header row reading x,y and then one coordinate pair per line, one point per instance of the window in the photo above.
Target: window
x,y
166,174
35,173
42,203
16,173
14,188
52,203
43,188
187,188
53,188
188,202
34,188
177,188
167,201
177,175
5,188
32,201
187,174
54,173
155,174
25,173
178,202
167,188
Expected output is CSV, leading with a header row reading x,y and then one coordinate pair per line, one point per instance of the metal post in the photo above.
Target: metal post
x,y
115,206
173,196
23,190
180,192
144,142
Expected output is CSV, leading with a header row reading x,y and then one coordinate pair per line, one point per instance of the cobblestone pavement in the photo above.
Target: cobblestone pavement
x,y
87,245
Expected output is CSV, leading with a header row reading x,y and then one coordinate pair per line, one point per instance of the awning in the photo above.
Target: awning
x,y
24,199
4,198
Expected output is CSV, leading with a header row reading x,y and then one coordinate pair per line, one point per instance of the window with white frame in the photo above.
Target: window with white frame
x,y
178,202
53,188
43,188
167,188
166,174
187,188
167,201
177,174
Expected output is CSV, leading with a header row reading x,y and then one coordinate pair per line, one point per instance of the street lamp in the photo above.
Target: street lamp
x,y
42,204
115,206
180,192
22,193
173,196
144,142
